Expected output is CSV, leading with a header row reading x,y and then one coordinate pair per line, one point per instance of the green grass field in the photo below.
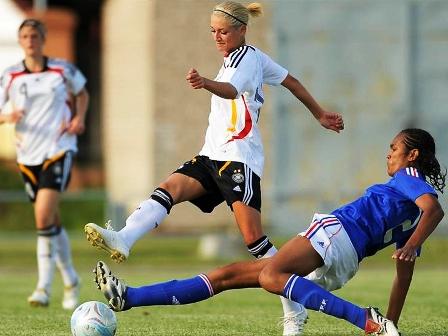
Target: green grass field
x,y
242,312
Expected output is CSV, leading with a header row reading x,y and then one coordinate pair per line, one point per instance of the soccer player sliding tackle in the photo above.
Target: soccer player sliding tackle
x,y
404,211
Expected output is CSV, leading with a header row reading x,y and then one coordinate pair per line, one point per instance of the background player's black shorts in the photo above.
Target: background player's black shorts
x,y
224,180
53,173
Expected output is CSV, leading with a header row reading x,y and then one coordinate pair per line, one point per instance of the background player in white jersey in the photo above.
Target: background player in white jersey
x,y
404,211
230,164
40,90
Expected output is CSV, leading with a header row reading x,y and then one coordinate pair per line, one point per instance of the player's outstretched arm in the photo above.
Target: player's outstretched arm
x,y
405,256
329,120
431,217
400,287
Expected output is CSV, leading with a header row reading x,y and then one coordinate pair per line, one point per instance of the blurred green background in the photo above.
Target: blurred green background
x,y
77,208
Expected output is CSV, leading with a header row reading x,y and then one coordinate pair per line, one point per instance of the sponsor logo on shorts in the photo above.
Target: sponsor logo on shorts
x,y
237,188
175,301
238,177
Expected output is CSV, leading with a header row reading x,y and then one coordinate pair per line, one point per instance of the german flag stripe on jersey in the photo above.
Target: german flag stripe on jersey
x,y
247,124
14,75
321,223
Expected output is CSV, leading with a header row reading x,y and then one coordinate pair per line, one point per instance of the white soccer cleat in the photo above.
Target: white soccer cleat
x,y
70,299
39,298
108,240
294,322
378,325
113,288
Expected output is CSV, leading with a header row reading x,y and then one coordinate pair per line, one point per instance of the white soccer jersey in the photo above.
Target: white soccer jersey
x,y
44,97
233,133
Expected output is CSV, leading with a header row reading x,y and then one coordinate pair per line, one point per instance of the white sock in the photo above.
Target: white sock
x,y
64,260
270,252
289,307
46,251
148,215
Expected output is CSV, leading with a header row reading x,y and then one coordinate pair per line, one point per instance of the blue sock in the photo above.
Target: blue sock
x,y
174,292
314,297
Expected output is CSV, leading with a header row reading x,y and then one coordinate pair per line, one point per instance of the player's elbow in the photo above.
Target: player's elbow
x,y
231,93
440,213
436,213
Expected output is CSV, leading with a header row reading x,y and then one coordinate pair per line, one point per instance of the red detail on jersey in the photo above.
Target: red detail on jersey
x,y
14,75
57,70
247,124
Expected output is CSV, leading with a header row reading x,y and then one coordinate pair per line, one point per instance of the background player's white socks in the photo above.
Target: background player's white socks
x,y
289,307
64,260
148,215
47,245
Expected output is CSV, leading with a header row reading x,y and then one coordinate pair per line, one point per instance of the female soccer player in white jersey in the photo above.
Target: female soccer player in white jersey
x,y
40,90
230,164
404,211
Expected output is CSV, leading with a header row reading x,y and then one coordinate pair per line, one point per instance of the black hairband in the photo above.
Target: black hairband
x,y
220,10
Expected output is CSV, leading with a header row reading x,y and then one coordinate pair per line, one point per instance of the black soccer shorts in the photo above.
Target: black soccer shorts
x,y
53,173
223,180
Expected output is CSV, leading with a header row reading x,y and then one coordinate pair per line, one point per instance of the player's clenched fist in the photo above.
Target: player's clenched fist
x,y
195,79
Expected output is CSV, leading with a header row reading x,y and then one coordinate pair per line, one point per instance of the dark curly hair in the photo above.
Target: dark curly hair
x,y
427,163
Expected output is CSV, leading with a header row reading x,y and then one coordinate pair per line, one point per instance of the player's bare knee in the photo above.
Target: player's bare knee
x,y
43,221
268,280
172,189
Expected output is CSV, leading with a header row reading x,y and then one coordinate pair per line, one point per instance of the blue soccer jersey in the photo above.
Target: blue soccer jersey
x,y
386,213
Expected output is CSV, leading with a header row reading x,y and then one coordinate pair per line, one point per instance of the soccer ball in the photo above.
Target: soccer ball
x,y
93,318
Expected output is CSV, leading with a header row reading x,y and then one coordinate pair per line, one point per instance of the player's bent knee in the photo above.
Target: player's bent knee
x,y
44,221
268,280
170,188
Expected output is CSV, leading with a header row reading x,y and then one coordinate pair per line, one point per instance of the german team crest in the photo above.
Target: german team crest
x,y
238,177
57,169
